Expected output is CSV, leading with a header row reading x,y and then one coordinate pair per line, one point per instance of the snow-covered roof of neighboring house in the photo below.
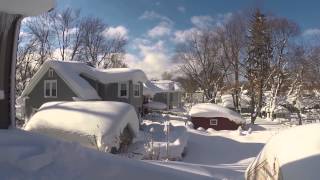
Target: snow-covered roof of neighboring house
x,y
155,105
213,110
168,85
85,122
227,101
26,7
150,89
70,72
294,152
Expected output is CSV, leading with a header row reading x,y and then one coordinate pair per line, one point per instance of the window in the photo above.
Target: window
x,y
136,90
213,122
50,73
50,88
123,89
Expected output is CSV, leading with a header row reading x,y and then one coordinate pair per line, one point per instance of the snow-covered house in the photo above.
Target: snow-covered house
x,y
227,101
207,115
74,81
97,124
170,93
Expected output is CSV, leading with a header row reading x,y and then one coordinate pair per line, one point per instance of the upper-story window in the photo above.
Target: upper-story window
x,y
50,73
136,90
123,89
50,88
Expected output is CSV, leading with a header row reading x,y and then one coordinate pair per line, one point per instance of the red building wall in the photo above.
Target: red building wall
x,y
223,123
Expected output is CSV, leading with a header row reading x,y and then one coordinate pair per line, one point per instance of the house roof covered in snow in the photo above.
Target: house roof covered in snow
x,y
213,110
168,85
71,72
82,120
295,151
227,101
150,89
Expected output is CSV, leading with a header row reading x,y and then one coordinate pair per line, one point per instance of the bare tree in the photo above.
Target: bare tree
x,y
282,31
66,26
99,50
232,38
201,60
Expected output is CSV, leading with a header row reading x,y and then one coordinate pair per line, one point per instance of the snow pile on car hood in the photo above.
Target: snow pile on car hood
x,y
96,124
29,156
294,153
213,110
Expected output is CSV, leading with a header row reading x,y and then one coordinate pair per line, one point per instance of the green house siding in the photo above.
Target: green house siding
x,y
36,97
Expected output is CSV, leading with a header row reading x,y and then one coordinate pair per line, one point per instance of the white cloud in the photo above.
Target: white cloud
x,y
116,31
153,58
162,29
311,32
151,15
181,9
209,21
182,36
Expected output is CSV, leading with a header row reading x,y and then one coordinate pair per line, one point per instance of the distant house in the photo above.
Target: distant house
x,y
170,93
207,115
74,81
227,101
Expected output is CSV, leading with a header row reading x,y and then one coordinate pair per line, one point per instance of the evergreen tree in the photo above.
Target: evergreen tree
x,y
258,62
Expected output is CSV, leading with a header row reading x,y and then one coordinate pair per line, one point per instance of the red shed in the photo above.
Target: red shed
x,y
213,116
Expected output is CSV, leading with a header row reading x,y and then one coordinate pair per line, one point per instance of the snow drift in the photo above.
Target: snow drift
x,y
29,156
213,110
96,124
293,154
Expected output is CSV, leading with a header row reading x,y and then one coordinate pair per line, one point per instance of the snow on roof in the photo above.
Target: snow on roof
x,y
26,7
296,151
70,72
85,121
25,155
227,101
167,85
150,89
213,110
155,105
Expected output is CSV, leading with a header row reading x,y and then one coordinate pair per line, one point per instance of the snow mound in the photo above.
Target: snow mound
x,y
155,105
29,156
213,110
292,154
96,124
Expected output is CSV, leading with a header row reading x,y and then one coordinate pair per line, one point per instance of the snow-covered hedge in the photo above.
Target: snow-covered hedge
x,y
96,124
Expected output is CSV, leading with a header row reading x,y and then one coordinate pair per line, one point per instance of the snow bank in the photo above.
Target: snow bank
x,y
155,105
293,154
213,110
29,156
178,139
96,124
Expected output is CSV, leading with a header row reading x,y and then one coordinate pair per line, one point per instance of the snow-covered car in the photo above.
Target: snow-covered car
x,y
208,115
293,154
98,124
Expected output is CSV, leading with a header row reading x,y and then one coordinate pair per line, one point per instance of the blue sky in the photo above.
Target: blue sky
x,y
154,27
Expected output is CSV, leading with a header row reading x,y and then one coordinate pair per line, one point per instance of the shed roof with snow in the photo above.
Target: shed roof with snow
x,y
71,72
209,110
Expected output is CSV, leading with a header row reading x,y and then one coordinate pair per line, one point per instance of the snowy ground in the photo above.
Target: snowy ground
x,y
220,154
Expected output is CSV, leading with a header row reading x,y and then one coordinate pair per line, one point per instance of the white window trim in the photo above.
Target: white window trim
x,y
213,122
119,89
44,88
50,72
136,84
